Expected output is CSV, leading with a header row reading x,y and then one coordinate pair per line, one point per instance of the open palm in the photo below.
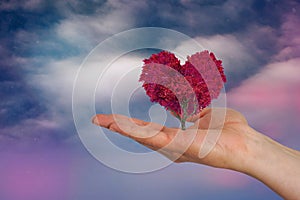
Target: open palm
x,y
227,127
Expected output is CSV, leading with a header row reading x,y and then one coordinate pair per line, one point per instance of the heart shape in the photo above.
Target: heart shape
x,y
183,89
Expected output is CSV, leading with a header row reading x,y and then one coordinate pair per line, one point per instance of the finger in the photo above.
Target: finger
x,y
215,118
201,120
147,133
212,118
194,118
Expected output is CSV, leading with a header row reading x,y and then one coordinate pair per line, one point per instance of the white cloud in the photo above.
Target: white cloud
x,y
59,76
57,79
115,16
111,18
231,51
234,54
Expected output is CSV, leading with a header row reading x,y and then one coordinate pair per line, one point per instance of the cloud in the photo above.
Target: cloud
x,y
269,97
195,17
235,56
116,85
56,80
115,16
289,40
41,62
39,131
17,100
112,17
58,77
239,60
276,79
16,4
51,68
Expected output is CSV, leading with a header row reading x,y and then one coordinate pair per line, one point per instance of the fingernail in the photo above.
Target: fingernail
x,y
95,120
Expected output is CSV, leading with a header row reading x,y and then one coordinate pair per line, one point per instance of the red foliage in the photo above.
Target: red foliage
x,y
183,89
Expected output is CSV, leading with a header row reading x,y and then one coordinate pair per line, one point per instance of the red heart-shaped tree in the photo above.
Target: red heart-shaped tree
x,y
183,89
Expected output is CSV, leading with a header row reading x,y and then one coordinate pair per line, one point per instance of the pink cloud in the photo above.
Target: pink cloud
x,y
270,99
290,37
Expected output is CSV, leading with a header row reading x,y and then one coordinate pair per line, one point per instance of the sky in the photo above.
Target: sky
x,y
44,43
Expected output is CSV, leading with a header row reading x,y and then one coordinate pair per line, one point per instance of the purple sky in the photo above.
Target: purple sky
x,y
42,45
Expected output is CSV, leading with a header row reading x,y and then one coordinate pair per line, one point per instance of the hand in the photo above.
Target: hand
x,y
239,147
184,146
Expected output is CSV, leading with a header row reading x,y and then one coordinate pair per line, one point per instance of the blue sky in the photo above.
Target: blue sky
x,y
42,45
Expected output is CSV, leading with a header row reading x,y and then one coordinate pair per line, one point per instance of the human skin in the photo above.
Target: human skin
x,y
239,147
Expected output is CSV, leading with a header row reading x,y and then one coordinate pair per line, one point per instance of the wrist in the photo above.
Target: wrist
x,y
262,152
258,146
272,163
252,152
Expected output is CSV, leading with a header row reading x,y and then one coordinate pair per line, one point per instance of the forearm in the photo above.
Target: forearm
x,y
275,165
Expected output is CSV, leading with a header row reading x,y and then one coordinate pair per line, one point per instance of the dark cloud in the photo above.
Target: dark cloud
x,y
212,17
22,27
17,102
30,38
255,23
84,8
